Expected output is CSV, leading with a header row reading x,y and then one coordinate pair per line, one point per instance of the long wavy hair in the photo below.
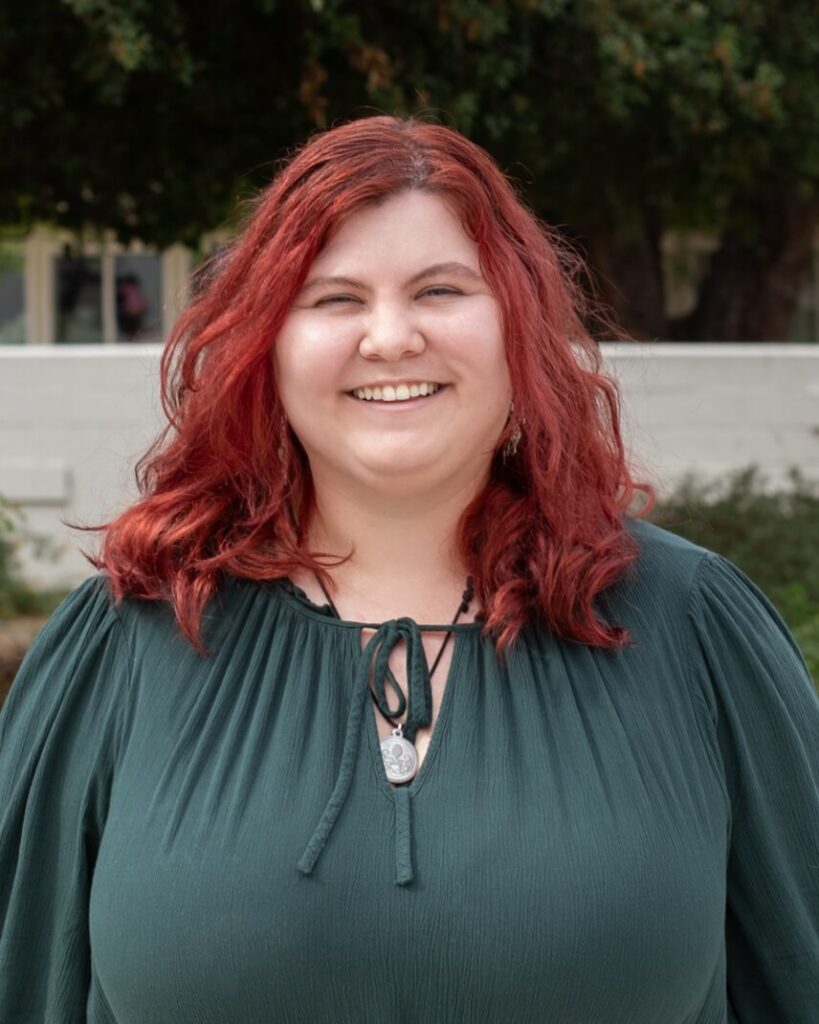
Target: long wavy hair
x,y
226,487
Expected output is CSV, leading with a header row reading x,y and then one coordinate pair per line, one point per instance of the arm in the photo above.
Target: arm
x,y
60,730
765,714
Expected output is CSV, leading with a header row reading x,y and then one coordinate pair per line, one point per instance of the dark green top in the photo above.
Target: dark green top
x,y
627,837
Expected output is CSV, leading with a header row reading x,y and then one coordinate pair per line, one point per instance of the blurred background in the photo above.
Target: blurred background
x,y
674,144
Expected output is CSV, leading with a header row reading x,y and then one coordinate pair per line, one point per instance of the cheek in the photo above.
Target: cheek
x,y
309,361
480,342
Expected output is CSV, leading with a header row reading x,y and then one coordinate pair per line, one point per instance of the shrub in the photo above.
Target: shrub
x,y
16,596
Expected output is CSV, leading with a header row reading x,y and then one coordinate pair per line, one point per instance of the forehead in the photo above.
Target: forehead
x,y
407,227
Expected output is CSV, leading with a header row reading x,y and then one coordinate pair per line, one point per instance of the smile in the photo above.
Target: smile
x,y
397,393
396,405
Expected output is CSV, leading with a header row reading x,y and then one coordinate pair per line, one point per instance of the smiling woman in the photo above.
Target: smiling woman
x,y
392,460
398,327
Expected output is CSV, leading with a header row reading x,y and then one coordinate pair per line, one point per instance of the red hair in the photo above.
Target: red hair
x,y
224,491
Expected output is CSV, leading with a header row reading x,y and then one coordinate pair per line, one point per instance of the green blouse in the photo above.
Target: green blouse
x,y
593,837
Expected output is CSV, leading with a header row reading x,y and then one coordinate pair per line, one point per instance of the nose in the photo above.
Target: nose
x,y
391,333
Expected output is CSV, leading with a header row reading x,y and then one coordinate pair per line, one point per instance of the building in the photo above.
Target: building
x,y
56,289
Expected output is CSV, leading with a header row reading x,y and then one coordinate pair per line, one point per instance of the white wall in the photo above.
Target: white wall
x,y
714,408
74,420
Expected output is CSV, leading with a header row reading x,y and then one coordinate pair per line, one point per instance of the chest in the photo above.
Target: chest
x,y
568,839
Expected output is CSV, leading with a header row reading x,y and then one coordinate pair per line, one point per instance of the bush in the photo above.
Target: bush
x,y
16,596
772,536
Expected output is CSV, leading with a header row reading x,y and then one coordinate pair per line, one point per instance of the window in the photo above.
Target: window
x,y
12,294
110,297
138,298
78,298
56,288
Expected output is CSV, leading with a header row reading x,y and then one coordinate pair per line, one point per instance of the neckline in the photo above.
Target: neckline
x,y
301,603
373,738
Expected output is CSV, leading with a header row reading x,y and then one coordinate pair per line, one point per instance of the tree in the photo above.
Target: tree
x,y
620,121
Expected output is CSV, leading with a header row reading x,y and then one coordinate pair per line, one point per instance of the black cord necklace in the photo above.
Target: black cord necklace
x,y
399,754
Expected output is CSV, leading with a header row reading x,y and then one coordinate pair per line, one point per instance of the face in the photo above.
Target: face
x,y
394,303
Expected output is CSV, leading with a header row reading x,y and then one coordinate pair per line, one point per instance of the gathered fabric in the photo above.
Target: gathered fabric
x,y
189,839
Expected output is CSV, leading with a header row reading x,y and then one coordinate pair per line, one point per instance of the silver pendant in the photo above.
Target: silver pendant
x,y
400,756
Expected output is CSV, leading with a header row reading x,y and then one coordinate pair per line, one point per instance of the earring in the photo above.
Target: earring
x,y
281,451
511,445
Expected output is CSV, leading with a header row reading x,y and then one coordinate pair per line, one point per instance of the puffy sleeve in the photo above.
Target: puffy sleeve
x,y
765,713
60,730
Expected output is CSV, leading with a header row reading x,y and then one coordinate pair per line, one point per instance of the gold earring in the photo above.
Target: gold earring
x,y
511,445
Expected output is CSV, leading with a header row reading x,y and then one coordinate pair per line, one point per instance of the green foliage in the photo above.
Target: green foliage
x,y
807,636
773,536
16,597
620,122
153,118
12,592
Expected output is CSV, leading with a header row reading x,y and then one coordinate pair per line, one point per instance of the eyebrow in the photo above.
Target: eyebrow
x,y
451,269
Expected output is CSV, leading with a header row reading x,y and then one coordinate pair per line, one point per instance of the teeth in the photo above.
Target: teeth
x,y
401,393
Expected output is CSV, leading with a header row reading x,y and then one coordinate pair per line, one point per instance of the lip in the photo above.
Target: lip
x,y
407,403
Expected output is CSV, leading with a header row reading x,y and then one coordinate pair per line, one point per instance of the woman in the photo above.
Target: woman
x,y
389,430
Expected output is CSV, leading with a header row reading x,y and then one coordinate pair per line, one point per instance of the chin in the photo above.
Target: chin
x,y
397,469
404,474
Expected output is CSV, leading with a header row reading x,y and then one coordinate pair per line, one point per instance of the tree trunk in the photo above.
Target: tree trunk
x,y
627,274
751,289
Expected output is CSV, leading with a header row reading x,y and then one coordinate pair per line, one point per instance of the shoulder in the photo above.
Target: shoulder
x,y
89,615
728,625
84,617
662,550
675,589
681,583
664,574
670,566
91,625
155,637
76,673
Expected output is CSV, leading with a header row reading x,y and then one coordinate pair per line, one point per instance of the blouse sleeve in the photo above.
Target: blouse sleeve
x,y
60,729
765,713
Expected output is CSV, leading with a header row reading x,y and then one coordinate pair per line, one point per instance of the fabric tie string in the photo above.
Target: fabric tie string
x,y
377,653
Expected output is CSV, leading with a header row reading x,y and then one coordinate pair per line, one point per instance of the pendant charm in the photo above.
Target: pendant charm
x,y
400,756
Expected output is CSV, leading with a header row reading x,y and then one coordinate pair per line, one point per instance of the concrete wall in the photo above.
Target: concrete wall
x,y
74,420
719,407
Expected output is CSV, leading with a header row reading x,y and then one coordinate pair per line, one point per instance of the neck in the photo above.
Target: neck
x,y
405,559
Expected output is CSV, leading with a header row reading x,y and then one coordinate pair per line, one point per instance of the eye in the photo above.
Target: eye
x,y
440,291
336,300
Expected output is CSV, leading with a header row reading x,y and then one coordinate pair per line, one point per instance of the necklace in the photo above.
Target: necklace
x,y
398,754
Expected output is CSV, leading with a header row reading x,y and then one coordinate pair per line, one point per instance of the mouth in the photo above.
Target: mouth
x,y
397,403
